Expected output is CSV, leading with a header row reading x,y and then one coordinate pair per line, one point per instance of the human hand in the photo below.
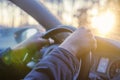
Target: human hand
x,y
36,42
79,42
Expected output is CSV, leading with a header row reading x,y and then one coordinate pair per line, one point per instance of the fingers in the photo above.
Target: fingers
x,y
39,34
89,34
93,44
44,42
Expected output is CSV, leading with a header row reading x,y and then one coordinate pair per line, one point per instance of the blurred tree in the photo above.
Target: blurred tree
x,y
82,13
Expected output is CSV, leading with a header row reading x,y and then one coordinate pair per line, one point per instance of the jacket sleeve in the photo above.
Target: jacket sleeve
x,y
58,65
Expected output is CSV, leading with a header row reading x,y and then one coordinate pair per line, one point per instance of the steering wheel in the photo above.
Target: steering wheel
x,y
62,30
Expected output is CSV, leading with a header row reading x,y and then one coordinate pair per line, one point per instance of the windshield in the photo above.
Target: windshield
x,y
101,16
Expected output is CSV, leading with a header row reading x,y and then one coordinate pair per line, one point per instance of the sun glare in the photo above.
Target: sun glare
x,y
104,22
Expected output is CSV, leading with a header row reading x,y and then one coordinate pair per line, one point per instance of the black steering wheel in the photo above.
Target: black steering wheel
x,y
58,35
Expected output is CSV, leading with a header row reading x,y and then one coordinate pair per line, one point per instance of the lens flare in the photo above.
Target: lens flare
x,y
104,22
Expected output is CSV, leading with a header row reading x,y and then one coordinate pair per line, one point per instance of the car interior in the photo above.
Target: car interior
x,y
102,64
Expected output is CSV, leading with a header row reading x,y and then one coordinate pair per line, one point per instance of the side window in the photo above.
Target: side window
x,y
13,16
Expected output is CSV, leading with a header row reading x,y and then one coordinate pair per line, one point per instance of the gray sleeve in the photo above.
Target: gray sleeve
x,y
58,65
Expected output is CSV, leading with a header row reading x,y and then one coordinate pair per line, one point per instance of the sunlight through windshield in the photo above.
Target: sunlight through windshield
x,y
104,22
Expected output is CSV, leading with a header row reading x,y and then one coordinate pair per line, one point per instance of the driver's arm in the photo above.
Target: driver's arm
x,y
30,46
62,62
12,59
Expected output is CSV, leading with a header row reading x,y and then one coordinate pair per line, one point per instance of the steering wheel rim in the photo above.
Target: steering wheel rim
x,y
84,69
57,30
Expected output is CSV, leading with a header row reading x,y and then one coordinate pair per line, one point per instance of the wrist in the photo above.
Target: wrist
x,y
69,48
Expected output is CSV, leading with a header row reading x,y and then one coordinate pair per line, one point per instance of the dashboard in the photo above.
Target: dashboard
x,y
105,62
